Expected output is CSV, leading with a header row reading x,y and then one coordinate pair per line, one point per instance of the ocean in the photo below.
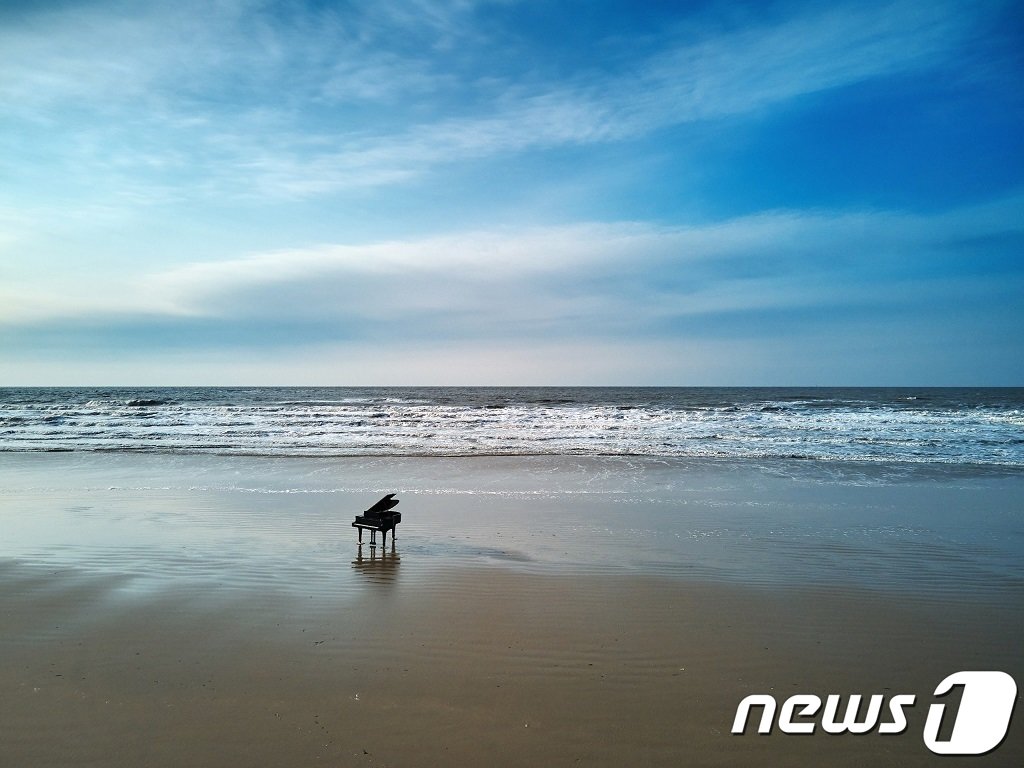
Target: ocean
x,y
981,427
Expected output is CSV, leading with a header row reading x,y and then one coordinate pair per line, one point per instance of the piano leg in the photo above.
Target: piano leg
x,y
360,536
373,538
384,541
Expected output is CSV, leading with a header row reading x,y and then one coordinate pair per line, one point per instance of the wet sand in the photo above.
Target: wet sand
x,y
479,667
281,653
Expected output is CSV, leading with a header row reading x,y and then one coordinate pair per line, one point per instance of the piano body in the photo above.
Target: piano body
x,y
380,517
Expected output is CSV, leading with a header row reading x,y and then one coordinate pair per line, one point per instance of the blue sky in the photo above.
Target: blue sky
x,y
503,192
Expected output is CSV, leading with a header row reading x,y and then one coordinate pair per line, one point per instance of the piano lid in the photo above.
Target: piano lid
x,y
384,504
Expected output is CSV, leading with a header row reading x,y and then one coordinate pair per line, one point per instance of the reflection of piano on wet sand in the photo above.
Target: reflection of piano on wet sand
x,y
380,517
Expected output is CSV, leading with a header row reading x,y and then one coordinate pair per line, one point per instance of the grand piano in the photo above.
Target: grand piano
x,y
380,517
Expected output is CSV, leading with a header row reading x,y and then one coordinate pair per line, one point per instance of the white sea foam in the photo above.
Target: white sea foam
x,y
943,426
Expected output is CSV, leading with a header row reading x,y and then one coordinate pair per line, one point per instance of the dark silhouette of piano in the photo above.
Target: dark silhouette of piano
x,y
380,517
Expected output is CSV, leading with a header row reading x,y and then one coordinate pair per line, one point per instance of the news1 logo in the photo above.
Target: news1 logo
x,y
980,725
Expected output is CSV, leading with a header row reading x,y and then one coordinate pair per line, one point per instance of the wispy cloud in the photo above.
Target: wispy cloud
x,y
181,99
181,54
690,81
303,87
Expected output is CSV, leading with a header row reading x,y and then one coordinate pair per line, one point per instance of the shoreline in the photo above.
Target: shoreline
x,y
867,467
946,534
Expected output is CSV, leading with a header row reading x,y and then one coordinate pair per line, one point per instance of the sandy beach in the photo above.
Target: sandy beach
x,y
157,615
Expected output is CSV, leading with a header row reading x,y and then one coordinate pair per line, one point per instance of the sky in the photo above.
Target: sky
x,y
511,192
